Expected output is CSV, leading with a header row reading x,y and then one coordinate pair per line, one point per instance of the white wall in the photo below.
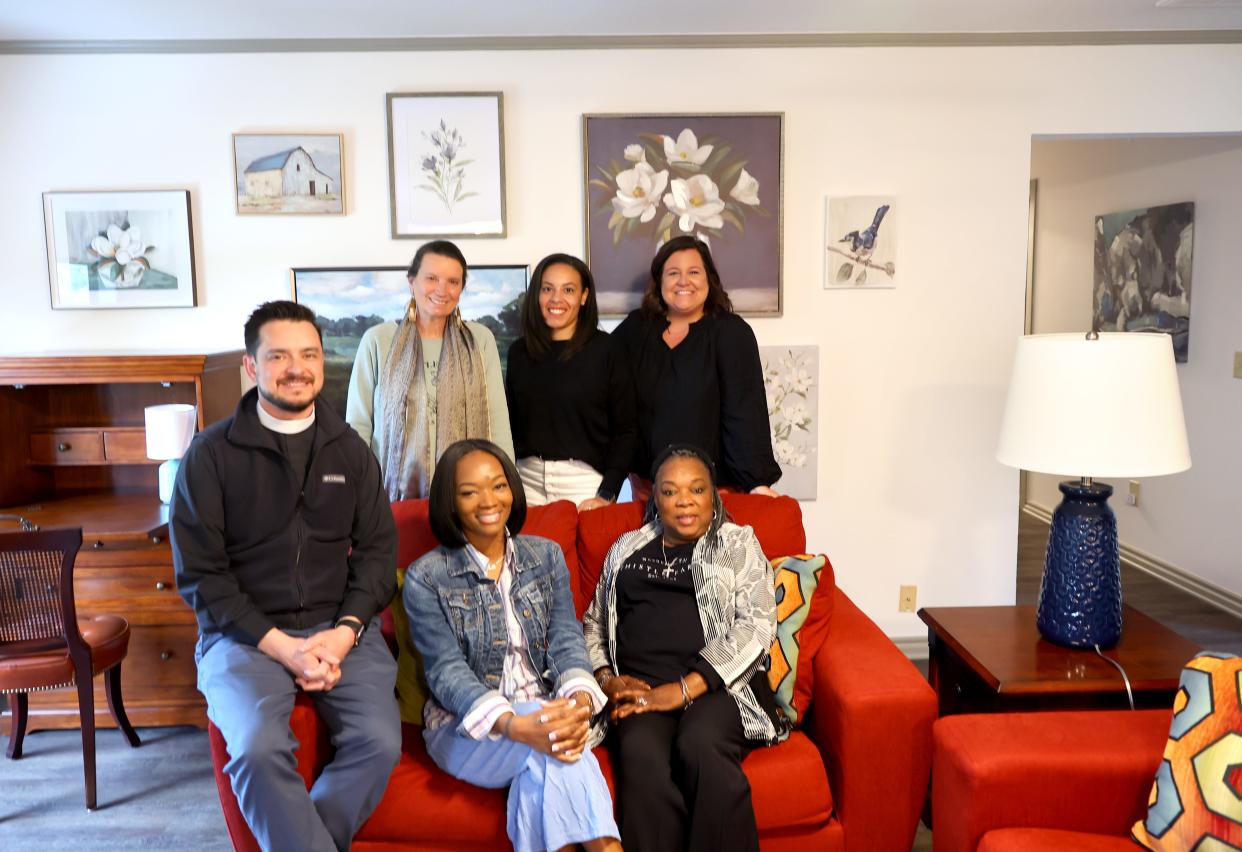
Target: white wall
x,y
1191,519
913,379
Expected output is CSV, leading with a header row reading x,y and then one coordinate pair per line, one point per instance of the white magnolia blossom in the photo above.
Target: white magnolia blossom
x,y
696,200
686,149
638,192
635,153
746,190
125,250
794,410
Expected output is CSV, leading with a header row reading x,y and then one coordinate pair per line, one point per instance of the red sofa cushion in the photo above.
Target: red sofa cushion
x,y
1044,839
777,522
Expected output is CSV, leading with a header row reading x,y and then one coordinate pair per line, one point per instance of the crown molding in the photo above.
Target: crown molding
x,y
623,42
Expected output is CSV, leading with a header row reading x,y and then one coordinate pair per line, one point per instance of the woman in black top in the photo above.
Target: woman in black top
x,y
571,398
697,372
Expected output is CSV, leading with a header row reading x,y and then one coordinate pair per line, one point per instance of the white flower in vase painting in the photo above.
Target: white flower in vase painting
x,y
696,202
122,253
638,192
746,190
686,150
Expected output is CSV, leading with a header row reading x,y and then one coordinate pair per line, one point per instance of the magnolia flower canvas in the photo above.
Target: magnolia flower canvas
x,y
651,178
446,165
791,381
119,249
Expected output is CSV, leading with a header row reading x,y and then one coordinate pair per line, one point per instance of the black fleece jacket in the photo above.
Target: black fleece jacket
x,y
255,547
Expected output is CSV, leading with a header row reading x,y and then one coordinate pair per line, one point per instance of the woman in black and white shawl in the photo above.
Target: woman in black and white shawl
x,y
678,636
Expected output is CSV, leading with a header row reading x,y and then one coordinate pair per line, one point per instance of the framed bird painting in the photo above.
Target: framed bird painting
x,y
860,243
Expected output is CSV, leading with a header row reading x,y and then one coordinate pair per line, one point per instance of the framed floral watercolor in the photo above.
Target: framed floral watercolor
x,y
349,300
446,164
791,381
649,178
288,173
119,249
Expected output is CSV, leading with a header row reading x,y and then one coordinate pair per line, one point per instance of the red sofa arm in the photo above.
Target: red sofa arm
x,y
1088,771
871,716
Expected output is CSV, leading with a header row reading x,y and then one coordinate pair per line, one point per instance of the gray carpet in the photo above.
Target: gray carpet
x,y
160,795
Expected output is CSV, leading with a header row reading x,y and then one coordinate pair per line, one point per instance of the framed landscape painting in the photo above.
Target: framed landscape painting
x,y
288,173
349,300
649,178
446,164
126,249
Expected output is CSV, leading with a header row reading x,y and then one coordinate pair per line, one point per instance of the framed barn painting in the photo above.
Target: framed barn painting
x,y
349,300
1143,265
288,173
860,243
119,249
446,164
649,178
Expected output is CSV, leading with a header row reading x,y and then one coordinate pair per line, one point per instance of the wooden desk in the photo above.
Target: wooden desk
x,y
991,659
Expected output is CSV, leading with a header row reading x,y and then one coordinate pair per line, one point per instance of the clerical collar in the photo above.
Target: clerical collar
x,y
285,427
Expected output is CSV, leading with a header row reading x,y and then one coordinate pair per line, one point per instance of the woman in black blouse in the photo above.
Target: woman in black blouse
x,y
697,373
571,398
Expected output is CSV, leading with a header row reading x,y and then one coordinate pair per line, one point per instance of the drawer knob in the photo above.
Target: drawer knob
x,y
64,447
165,655
156,539
98,545
160,585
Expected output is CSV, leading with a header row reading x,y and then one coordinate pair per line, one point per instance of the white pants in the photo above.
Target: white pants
x,y
549,481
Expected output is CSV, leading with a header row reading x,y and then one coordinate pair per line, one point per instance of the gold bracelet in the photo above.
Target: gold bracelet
x,y
686,700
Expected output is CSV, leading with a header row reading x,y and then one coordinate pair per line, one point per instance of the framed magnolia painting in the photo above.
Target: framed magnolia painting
x,y
119,249
446,164
650,178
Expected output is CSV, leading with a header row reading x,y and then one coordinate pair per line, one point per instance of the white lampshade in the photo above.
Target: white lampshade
x,y
169,430
1100,408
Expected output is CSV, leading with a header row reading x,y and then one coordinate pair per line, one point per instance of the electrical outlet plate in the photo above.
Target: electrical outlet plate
x,y
1133,494
1237,365
907,598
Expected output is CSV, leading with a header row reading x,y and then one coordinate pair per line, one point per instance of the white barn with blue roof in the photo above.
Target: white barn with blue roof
x,y
290,172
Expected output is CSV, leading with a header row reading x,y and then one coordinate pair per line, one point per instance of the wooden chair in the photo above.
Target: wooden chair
x,y
44,645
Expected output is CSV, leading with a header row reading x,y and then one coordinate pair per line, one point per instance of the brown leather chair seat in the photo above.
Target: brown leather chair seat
x,y
108,637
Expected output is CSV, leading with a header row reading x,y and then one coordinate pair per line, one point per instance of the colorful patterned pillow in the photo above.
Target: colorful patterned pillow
x,y
1196,800
804,587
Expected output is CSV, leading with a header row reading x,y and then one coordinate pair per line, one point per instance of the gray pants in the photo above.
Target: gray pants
x,y
249,698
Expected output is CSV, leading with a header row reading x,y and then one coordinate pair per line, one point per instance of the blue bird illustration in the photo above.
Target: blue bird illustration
x,y
863,242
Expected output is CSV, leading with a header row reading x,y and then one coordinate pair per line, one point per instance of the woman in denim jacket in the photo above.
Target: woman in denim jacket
x,y
512,691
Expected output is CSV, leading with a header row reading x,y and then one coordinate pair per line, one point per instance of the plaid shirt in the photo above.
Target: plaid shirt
x,y
737,606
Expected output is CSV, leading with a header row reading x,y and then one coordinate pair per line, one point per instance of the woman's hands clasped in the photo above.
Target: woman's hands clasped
x,y
559,728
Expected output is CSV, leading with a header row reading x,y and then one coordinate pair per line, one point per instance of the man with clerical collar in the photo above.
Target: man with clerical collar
x,y
284,545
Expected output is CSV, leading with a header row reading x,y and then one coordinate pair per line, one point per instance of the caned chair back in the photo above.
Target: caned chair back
x,y
36,590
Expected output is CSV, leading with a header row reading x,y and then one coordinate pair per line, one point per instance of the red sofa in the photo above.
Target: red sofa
x,y
1021,782
853,777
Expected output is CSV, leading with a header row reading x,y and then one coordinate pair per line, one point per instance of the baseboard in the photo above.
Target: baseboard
x,y
1178,578
914,647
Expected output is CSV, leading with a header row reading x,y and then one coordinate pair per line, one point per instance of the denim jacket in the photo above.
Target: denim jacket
x,y
457,621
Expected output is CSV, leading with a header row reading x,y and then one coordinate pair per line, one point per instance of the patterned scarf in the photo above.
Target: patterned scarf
x,y
461,403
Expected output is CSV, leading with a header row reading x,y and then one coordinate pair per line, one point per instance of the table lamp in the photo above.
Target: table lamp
x,y
169,431
1093,405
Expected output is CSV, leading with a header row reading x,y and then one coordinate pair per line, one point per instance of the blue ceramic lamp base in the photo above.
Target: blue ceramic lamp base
x,y
1080,596
168,478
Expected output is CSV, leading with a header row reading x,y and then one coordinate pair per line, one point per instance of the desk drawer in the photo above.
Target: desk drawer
x,y
67,446
161,655
140,593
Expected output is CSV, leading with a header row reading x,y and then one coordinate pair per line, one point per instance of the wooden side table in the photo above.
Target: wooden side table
x,y
991,659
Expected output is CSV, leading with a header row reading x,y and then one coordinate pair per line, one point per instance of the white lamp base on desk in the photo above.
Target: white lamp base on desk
x,y
168,478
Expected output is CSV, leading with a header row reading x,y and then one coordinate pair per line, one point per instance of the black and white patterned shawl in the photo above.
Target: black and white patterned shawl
x,y
737,607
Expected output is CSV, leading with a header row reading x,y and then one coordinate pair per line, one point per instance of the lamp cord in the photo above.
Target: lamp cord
x,y
1124,676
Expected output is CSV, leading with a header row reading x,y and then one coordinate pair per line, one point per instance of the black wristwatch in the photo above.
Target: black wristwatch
x,y
353,624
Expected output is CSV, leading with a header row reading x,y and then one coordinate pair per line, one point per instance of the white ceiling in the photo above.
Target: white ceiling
x,y
230,20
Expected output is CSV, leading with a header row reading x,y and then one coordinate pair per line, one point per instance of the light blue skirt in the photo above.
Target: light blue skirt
x,y
551,803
